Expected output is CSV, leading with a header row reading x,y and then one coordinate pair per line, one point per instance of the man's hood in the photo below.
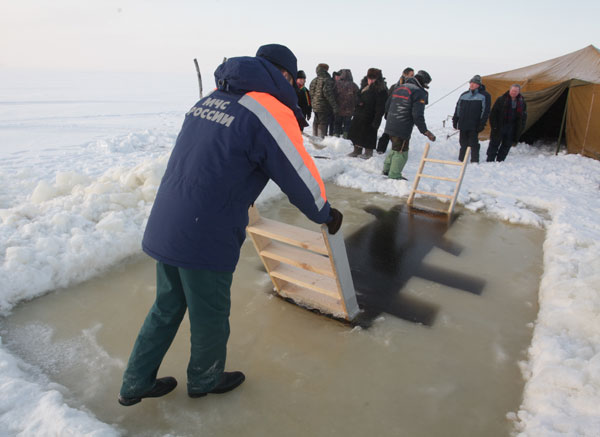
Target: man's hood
x,y
244,74
346,75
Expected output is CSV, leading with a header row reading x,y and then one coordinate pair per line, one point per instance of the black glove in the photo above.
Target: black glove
x,y
455,123
336,221
308,116
430,136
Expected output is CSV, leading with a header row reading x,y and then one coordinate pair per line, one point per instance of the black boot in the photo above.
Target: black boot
x,y
228,381
162,386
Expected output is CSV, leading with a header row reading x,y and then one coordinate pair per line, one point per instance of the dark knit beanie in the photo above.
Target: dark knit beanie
x,y
301,74
280,56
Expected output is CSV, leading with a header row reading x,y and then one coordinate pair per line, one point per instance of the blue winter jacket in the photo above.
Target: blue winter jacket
x,y
231,143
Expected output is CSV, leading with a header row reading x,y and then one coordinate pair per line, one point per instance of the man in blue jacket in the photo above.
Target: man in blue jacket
x,y
231,143
470,116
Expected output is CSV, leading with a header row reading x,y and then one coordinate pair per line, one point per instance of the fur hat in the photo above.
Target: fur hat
x,y
280,56
374,73
322,66
476,79
301,74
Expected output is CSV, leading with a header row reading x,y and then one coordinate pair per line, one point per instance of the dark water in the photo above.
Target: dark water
x,y
448,312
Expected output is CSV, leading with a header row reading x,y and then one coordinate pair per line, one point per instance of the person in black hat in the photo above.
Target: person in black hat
x,y
303,96
231,144
470,116
384,139
405,108
368,114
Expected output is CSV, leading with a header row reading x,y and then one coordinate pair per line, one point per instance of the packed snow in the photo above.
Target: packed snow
x,y
71,209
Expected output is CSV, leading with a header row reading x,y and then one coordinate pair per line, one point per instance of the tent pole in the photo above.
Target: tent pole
x,y
588,123
562,123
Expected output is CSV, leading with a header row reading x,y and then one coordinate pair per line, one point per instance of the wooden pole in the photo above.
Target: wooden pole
x,y
199,76
588,123
562,123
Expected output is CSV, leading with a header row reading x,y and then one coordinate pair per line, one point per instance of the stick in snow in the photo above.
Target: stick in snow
x,y
199,76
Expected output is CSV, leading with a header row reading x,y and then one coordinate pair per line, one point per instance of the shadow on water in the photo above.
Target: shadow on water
x,y
390,250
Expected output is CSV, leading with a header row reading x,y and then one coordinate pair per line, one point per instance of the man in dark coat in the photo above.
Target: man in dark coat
x,y
323,100
405,108
507,120
407,73
231,143
368,113
346,96
303,96
470,116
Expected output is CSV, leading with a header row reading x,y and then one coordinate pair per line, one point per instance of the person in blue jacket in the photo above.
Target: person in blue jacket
x,y
231,143
470,116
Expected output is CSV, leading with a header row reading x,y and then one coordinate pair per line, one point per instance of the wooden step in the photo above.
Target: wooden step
x,y
440,161
307,279
447,196
289,234
299,258
312,299
441,178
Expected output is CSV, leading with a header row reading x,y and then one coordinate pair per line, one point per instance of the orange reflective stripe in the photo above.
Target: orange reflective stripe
x,y
286,119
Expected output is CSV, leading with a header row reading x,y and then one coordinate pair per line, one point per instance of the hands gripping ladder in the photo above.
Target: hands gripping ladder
x,y
420,175
311,268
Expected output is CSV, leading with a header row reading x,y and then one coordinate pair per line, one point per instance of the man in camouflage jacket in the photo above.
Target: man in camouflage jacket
x,y
323,100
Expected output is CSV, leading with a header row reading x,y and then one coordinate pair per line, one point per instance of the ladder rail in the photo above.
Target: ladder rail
x,y
460,179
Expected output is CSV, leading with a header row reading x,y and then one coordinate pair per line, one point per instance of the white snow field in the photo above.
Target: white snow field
x,y
79,168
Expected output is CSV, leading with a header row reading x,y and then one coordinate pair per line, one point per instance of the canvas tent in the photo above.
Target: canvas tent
x,y
563,99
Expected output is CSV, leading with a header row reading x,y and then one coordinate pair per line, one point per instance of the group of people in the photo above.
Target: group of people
x,y
341,108
356,112
507,119
231,144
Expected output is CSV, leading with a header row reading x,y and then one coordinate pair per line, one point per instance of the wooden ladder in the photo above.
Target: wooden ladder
x,y
420,175
311,268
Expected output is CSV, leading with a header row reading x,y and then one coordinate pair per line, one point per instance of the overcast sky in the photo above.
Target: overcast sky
x,y
450,39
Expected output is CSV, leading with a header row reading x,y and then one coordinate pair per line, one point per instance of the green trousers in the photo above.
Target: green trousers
x,y
394,164
207,296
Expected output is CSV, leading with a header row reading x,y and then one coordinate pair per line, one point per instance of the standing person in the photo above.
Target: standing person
x,y
346,94
331,126
507,120
323,100
303,96
231,143
407,73
470,116
405,108
368,113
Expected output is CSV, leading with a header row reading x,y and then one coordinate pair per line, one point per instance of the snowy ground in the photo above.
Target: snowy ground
x,y
70,208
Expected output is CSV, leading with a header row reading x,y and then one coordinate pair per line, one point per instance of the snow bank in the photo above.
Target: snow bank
x,y
79,214
33,407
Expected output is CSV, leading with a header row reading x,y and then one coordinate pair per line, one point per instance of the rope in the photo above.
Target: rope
x,y
442,98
